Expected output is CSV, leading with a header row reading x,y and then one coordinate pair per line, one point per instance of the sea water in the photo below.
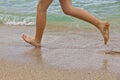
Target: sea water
x,y
23,12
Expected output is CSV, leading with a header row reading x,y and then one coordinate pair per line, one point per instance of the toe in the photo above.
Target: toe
x,y
24,37
106,40
106,32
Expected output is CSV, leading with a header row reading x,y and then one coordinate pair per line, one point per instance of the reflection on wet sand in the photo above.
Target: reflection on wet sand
x,y
35,54
116,53
105,65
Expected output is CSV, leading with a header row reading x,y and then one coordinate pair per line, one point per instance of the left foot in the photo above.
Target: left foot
x,y
30,41
104,28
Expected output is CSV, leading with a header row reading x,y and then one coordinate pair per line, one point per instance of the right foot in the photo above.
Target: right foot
x,y
104,28
30,41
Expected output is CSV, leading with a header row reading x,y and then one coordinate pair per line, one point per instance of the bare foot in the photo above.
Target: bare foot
x,y
104,28
30,41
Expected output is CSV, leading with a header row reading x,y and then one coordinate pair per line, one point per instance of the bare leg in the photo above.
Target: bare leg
x,y
86,16
40,23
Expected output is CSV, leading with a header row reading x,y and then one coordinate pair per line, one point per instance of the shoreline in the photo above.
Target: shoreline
x,y
66,53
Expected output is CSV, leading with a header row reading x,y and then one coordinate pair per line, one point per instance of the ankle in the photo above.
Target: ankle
x,y
98,24
101,25
37,41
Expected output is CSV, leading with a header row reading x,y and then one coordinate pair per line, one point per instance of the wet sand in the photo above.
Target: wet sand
x,y
66,54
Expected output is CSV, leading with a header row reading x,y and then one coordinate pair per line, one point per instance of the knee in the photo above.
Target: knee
x,y
67,10
40,7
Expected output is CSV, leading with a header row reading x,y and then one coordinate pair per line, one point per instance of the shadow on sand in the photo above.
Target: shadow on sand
x,y
116,53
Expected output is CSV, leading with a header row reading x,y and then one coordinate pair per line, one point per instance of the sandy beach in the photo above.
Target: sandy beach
x,y
66,54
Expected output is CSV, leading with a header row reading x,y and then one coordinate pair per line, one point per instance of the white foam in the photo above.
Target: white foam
x,y
24,22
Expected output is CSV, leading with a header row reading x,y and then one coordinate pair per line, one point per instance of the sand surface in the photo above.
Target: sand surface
x,y
66,54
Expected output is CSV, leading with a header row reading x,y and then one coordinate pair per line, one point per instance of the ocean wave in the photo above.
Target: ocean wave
x,y
17,20
22,12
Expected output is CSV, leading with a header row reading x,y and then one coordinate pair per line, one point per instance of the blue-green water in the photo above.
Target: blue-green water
x,y
23,11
